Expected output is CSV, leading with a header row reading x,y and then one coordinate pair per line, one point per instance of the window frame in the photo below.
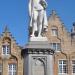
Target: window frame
x,y
12,70
72,66
62,67
1,68
7,49
56,46
54,31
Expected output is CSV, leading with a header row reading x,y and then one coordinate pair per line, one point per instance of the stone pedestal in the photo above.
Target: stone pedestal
x,y
38,59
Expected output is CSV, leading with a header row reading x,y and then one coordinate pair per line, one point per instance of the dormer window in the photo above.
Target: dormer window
x,y
54,31
6,49
6,46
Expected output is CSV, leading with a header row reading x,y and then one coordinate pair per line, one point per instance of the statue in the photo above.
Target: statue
x,y
38,18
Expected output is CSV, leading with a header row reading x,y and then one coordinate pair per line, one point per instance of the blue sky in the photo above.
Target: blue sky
x,y
14,14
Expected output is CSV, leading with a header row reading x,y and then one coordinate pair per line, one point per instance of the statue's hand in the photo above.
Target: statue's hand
x,y
43,3
31,14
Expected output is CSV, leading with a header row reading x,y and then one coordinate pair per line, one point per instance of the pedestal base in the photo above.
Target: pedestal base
x,y
38,57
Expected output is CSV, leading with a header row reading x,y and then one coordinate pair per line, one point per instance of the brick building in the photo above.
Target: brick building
x,y
63,42
11,62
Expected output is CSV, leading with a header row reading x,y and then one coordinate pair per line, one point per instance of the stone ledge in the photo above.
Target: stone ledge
x,y
38,39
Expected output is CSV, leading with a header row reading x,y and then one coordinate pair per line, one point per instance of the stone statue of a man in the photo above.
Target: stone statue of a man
x,y
38,18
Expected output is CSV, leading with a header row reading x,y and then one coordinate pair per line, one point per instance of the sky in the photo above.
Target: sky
x,y
14,14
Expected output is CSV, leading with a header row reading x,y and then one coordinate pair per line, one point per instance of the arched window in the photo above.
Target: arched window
x,y
54,31
6,46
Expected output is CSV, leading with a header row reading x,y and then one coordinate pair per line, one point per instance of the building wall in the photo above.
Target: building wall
x,y
67,44
14,57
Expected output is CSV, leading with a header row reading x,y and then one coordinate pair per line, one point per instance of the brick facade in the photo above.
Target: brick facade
x,y
66,41
14,57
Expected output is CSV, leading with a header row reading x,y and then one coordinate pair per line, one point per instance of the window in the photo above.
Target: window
x,y
54,31
12,69
62,67
73,66
56,46
6,49
0,69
